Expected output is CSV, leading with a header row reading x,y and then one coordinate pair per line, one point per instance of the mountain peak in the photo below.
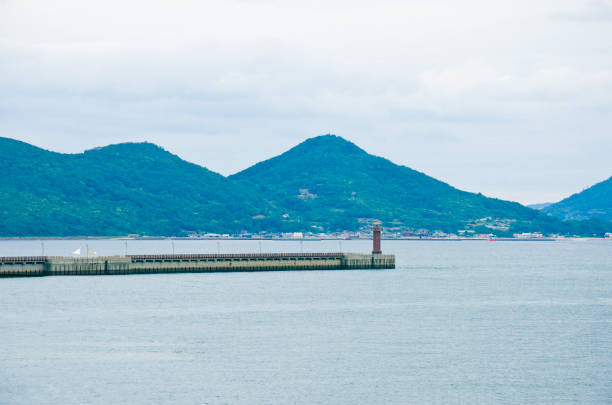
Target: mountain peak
x,y
10,148
127,147
328,143
133,150
593,202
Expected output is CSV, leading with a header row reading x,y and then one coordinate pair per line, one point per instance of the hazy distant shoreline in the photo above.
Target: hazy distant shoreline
x,y
126,238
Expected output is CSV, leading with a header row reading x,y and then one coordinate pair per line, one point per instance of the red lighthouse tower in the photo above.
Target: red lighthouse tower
x,y
376,230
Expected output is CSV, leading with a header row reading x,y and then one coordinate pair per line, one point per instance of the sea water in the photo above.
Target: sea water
x,y
456,323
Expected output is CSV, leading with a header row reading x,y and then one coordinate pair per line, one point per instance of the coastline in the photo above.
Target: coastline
x,y
458,239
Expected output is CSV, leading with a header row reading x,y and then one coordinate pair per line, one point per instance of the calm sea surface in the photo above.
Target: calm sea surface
x,y
455,323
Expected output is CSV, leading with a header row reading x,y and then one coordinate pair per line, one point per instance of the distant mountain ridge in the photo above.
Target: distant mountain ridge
x,y
325,183
130,188
594,202
330,183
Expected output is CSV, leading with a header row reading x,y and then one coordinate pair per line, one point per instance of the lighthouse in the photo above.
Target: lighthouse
x,y
376,230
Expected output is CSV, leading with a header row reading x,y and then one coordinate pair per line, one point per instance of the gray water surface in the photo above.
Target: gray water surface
x,y
455,323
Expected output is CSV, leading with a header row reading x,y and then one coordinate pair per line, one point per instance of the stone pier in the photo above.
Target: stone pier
x,y
196,263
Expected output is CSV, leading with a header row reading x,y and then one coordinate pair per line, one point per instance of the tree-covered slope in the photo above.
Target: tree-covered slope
x,y
116,190
330,182
594,202
326,183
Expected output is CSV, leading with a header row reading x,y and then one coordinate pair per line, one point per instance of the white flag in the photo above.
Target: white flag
x,y
77,252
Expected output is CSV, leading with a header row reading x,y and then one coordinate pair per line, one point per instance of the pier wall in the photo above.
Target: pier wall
x,y
23,266
203,263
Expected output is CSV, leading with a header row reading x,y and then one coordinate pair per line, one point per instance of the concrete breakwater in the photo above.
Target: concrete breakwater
x,y
189,263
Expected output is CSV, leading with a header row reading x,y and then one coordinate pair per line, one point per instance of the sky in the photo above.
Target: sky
x,y
509,98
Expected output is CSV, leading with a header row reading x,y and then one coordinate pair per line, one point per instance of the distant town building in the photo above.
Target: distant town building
x,y
528,235
293,235
305,194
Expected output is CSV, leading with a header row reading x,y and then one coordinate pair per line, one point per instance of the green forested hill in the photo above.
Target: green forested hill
x,y
594,202
326,183
330,182
115,190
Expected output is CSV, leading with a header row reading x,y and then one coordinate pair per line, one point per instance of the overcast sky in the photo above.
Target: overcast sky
x,y
512,99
